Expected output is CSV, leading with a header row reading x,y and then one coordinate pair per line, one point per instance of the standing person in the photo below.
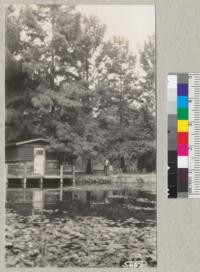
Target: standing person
x,y
106,167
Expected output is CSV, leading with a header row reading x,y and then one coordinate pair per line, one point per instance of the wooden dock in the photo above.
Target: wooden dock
x,y
21,174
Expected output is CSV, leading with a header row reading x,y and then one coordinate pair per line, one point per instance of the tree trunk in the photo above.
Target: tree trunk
x,y
122,164
121,106
89,166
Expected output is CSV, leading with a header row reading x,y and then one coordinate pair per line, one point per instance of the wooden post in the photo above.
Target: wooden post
x,y
61,183
88,196
73,179
41,183
6,175
25,176
25,181
73,174
104,196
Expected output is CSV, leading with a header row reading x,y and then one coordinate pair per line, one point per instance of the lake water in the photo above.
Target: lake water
x,y
103,228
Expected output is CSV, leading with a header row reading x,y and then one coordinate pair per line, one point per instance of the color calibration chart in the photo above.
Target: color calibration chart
x,y
184,135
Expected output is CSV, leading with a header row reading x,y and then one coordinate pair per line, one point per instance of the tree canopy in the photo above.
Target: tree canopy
x,y
67,83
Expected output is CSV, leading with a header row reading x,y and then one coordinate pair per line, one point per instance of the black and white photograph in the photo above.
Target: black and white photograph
x,y
80,136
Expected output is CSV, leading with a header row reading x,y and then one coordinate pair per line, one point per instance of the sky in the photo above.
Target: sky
x,y
134,22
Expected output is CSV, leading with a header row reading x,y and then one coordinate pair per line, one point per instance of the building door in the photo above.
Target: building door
x,y
39,161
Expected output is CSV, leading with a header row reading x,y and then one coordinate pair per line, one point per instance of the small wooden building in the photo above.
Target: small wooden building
x,y
29,163
30,166
33,152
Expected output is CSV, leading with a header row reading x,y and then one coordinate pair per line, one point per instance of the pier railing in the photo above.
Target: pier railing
x,y
51,168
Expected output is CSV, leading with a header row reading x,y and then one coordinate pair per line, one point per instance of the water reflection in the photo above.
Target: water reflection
x,y
27,201
116,226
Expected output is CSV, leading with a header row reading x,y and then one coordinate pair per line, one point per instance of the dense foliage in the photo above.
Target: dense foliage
x,y
68,84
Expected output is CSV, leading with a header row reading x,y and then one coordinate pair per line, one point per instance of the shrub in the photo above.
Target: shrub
x,y
147,161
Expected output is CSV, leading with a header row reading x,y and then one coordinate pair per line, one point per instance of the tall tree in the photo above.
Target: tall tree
x,y
118,98
147,156
65,82
57,45
125,104
147,84
21,46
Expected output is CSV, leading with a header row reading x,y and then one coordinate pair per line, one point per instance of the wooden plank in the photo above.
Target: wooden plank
x,y
52,176
34,177
15,177
91,188
61,183
16,169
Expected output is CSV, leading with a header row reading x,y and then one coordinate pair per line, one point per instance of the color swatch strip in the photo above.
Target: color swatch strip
x,y
172,135
184,135
182,123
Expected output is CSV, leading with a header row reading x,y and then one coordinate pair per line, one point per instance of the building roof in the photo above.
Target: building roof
x,y
28,142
